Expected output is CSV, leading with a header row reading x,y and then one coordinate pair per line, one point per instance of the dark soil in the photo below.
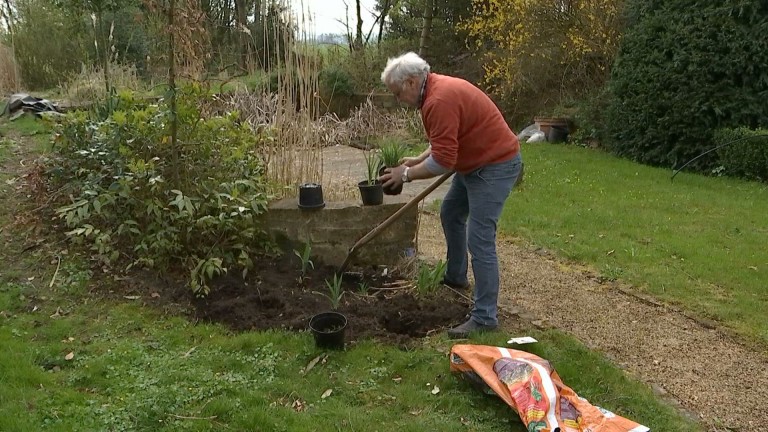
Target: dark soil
x,y
275,297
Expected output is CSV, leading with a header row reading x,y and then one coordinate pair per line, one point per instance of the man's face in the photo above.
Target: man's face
x,y
408,93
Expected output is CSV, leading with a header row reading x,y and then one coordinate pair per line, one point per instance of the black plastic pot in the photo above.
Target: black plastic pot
x,y
389,190
328,328
371,194
557,134
311,196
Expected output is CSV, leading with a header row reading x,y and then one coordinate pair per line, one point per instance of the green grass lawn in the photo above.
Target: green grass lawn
x,y
74,361
131,369
698,242
32,128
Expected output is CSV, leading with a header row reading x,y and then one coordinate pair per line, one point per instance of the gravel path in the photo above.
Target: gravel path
x,y
712,377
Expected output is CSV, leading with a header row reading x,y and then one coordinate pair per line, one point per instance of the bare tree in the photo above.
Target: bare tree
x,y
7,15
359,32
244,39
426,27
386,5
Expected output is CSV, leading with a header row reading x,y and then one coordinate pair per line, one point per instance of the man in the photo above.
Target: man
x,y
467,134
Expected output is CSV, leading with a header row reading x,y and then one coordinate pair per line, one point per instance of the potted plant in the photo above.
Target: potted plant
x,y
328,328
390,155
370,189
555,124
311,196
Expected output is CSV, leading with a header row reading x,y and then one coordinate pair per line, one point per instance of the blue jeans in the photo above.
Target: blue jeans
x,y
478,197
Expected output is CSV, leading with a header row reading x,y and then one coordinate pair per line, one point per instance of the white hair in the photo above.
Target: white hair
x,y
401,68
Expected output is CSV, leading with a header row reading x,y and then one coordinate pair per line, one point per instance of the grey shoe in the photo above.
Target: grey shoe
x,y
461,331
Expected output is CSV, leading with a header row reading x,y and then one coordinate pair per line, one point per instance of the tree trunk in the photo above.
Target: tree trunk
x,y
359,32
8,15
241,22
104,49
210,24
385,7
258,47
225,31
426,28
172,81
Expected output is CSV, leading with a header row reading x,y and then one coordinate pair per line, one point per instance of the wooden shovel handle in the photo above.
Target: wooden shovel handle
x,y
396,215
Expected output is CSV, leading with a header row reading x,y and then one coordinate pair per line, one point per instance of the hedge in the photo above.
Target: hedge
x,y
686,69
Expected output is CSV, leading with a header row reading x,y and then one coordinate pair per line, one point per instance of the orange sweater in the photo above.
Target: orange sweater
x,y
464,126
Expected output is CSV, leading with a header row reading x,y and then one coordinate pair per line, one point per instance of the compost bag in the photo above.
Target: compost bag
x,y
530,385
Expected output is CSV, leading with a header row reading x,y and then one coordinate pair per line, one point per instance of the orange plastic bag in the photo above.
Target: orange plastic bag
x,y
530,385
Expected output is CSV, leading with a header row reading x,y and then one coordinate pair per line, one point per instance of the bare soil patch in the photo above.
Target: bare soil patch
x,y
274,297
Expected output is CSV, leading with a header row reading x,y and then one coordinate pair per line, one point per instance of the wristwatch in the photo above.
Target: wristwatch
x,y
404,178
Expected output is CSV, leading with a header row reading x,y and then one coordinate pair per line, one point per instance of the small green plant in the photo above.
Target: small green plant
x,y
391,154
428,277
305,257
372,164
612,273
363,288
335,292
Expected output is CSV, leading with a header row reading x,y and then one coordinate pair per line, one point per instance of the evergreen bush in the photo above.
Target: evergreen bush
x,y
685,69
744,152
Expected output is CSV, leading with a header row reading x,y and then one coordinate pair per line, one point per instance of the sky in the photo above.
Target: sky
x,y
325,13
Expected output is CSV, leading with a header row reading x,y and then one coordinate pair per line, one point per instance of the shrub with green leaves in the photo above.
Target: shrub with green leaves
x,y
140,198
335,81
685,69
45,57
744,152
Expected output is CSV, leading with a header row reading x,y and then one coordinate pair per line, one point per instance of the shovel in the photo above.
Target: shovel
x,y
388,221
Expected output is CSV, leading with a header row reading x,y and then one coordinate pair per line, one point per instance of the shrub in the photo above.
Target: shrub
x,y
137,198
589,119
336,82
89,86
686,68
48,43
744,152
538,56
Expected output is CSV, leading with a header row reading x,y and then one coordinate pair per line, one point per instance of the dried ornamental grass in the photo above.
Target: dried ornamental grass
x,y
10,80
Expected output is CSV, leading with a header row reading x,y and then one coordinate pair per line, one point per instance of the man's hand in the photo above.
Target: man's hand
x,y
392,177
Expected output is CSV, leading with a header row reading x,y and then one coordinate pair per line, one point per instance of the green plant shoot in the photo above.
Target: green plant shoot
x,y
372,164
363,288
335,292
305,257
428,278
391,154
